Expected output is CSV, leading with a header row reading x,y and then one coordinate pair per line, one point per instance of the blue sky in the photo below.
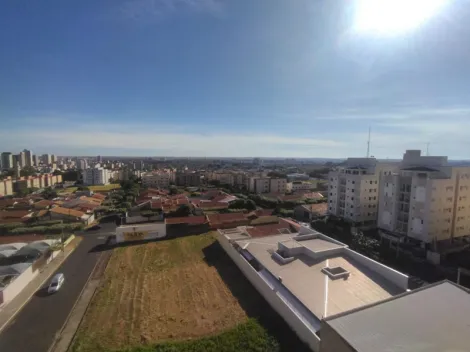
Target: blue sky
x,y
277,78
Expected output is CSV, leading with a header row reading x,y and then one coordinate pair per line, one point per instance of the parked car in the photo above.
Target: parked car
x,y
56,283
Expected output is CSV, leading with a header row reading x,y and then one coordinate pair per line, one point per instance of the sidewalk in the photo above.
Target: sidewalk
x,y
14,306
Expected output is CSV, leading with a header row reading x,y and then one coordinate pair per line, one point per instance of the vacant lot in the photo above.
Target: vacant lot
x,y
178,290
104,188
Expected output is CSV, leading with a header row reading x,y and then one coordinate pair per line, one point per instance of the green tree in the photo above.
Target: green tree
x,y
173,190
49,193
28,171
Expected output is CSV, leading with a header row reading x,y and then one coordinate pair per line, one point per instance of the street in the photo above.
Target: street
x,y
35,327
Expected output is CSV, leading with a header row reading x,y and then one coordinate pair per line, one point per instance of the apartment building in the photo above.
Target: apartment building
x,y
425,200
47,159
353,189
96,176
7,161
6,187
157,179
28,157
299,186
186,178
267,185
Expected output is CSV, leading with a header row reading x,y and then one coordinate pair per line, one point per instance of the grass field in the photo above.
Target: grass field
x,y
179,295
68,190
104,188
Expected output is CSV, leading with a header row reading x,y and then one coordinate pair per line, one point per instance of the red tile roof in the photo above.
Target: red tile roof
x,y
272,229
226,218
99,196
213,205
12,216
69,212
190,220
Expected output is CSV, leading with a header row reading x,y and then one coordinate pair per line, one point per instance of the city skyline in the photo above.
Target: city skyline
x,y
231,79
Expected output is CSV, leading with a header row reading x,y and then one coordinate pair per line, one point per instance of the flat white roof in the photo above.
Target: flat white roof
x,y
303,274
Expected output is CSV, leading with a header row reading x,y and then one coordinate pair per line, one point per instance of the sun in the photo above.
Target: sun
x,y
394,16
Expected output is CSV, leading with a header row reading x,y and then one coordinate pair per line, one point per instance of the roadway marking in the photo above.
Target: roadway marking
x,y
325,311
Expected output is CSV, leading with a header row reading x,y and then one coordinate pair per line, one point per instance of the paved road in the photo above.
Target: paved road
x,y
36,325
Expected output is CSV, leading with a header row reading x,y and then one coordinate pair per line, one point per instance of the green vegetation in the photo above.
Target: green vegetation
x,y
243,204
68,190
57,228
28,171
249,336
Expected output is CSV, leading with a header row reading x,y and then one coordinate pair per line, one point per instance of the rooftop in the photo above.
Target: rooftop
x,y
433,318
318,273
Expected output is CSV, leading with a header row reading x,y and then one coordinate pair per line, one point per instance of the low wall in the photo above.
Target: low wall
x,y
140,232
139,219
399,279
291,318
18,284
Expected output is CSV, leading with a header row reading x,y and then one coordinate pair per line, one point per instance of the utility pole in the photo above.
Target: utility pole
x,y
368,145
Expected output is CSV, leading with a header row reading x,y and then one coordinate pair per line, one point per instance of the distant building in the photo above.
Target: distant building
x,y
267,185
99,159
28,157
157,179
188,178
353,189
53,158
82,164
35,160
47,159
7,160
96,176
22,159
298,186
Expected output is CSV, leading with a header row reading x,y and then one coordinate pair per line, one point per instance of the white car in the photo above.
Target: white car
x,y
56,283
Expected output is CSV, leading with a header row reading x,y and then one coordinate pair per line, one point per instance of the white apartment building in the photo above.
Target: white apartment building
x,y
47,159
96,176
83,164
267,185
353,189
232,178
426,200
298,186
158,179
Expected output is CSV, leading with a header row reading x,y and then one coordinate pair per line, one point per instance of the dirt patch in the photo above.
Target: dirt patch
x,y
158,292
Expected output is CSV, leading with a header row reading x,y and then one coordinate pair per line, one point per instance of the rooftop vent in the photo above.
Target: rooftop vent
x,y
336,272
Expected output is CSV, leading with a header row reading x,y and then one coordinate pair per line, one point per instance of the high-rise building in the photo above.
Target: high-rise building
x,y
99,159
141,165
47,159
28,157
426,200
35,160
353,189
268,185
82,164
96,176
22,159
17,170
7,160
53,158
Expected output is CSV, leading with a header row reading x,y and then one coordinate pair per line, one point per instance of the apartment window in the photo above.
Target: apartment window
x,y
370,198
375,198
370,182
354,182
352,190
351,214
449,199
375,182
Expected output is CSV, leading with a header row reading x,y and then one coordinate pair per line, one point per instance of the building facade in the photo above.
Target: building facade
x,y
7,161
353,189
96,176
6,187
159,179
426,200
47,159
188,178
267,185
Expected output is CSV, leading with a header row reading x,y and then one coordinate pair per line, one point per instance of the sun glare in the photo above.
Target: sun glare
x,y
394,16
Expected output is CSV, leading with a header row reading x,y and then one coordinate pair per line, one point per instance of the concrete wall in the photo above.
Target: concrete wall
x,y
331,341
142,232
136,219
399,279
301,329
18,284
